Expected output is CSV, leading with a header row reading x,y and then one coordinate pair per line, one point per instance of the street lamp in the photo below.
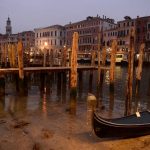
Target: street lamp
x,y
44,62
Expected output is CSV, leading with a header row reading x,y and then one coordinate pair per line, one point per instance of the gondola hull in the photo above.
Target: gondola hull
x,y
130,126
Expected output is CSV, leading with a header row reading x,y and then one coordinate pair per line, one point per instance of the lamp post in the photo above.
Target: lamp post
x,y
44,62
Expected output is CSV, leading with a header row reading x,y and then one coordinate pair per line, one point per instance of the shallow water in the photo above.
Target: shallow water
x,y
54,90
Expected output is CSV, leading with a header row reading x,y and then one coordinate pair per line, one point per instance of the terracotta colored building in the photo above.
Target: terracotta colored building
x,y
109,36
143,32
88,32
124,28
28,38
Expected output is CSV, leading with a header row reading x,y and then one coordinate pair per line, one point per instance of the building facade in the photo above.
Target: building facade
x,y
109,36
143,32
141,25
124,29
27,37
51,38
121,33
88,32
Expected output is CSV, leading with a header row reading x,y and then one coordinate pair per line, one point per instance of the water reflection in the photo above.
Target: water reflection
x,y
2,105
64,87
16,106
107,77
47,89
80,83
44,104
73,105
111,103
91,82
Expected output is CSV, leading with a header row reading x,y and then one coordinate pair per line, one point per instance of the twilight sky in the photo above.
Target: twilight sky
x,y
29,14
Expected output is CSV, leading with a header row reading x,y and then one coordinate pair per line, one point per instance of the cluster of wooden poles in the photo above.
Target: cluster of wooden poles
x,y
15,56
10,50
73,65
129,88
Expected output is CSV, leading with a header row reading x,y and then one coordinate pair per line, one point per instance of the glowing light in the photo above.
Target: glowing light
x,y
44,103
45,44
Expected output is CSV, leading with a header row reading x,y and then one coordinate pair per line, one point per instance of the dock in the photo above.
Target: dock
x,y
48,69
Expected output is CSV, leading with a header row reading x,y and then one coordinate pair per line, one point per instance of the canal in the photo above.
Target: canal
x,y
54,88
49,116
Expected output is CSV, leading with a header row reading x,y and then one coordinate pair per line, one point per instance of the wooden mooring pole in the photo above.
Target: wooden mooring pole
x,y
20,82
73,74
20,59
99,71
130,74
10,54
93,58
5,54
138,76
99,58
112,64
13,55
104,56
103,64
91,71
139,68
91,107
74,63
64,59
2,56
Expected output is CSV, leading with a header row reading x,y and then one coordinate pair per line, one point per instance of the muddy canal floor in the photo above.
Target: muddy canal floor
x,y
56,129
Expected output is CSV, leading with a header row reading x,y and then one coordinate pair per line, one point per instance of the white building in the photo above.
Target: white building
x,y
51,38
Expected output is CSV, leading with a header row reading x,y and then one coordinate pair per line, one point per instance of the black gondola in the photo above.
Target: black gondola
x,y
129,126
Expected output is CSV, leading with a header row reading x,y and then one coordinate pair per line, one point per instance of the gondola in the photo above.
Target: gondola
x,y
134,125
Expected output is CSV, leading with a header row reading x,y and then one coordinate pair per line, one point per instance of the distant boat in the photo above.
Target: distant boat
x,y
84,57
130,126
120,58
